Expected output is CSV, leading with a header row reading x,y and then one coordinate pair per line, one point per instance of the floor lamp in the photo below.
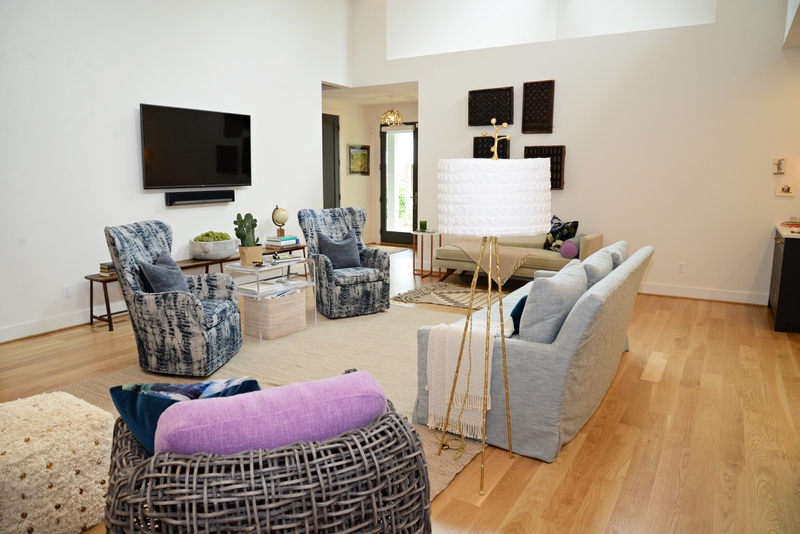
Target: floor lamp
x,y
489,199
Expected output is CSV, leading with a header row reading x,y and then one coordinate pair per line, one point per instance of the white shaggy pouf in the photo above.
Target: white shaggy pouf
x,y
55,451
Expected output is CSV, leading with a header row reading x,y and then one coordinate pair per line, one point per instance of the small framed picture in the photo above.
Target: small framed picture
x,y
786,190
358,159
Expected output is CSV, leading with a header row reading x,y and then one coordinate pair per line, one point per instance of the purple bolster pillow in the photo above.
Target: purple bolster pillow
x,y
271,418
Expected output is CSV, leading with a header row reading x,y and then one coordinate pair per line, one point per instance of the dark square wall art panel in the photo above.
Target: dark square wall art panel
x,y
537,107
482,147
488,104
556,155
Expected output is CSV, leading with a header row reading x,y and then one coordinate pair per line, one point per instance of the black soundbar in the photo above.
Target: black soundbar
x,y
198,197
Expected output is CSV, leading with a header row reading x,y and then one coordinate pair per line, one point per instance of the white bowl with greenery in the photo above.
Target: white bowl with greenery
x,y
212,246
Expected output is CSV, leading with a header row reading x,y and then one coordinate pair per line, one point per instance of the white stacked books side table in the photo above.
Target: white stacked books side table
x,y
274,298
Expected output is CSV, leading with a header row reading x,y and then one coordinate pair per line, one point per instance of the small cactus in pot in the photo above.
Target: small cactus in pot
x,y
250,248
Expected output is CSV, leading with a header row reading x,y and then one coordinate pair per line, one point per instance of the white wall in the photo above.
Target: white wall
x,y
360,125
670,134
72,76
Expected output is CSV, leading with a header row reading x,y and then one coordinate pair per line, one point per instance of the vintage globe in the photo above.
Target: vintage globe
x,y
279,216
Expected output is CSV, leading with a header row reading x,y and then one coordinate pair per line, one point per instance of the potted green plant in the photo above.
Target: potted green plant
x,y
212,246
249,247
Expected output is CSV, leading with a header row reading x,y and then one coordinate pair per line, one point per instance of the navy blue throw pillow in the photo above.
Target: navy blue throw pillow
x,y
342,253
140,405
516,313
163,275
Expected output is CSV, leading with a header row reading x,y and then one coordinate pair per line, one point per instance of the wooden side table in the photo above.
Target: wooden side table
x,y
418,238
107,317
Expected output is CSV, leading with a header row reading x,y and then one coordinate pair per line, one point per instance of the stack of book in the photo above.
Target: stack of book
x,y
107,269
285,241
791,224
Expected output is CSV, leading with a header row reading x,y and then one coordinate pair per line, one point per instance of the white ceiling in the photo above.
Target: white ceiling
x,y
373,95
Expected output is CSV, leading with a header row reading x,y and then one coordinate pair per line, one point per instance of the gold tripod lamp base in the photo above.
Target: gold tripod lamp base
x,y
489,245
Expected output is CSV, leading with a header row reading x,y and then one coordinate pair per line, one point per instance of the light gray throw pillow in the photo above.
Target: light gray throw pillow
x,y
597,266
342,253
550,301
163,275
619,253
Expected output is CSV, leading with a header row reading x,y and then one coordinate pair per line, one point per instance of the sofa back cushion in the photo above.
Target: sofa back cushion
x,y
271,418
597,266
619,253
550,301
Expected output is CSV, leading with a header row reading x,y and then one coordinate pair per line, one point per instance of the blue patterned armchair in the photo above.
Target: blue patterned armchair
x,y
350,291
178,333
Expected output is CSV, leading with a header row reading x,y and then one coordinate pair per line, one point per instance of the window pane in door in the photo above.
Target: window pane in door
x,y
399,181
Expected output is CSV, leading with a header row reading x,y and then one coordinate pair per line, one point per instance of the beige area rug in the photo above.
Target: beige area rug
x,y
385,344
446,294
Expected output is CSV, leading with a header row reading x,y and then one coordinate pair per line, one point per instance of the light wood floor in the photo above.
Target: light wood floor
x,y
698,433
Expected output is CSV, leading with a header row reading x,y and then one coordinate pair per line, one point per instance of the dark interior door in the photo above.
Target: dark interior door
x,y
330,161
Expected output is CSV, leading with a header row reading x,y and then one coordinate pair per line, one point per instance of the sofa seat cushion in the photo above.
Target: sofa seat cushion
x,y
597,266
356,275
271,418
538,259
216,311
550,301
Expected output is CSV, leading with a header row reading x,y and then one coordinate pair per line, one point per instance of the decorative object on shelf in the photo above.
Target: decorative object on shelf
x,y
482,148
358,159
556,154
489,199
486,104
279,218
497,137
423,226
249,248
212,246
537,107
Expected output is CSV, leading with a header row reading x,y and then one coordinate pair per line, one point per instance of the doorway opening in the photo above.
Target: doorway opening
x,y
398,183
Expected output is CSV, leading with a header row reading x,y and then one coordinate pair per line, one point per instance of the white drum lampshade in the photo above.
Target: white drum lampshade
x,y
484,197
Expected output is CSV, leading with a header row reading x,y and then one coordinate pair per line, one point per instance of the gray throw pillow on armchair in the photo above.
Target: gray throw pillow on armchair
x,y
342,253
550,301
163,275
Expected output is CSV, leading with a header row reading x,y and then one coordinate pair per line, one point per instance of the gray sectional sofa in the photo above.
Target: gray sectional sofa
x,y
556,386
452,258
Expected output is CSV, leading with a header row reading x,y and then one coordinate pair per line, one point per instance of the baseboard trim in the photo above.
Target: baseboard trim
x,y
705,294
44,326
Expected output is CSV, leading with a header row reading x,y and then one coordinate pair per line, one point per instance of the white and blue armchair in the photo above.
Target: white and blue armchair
x,y
189,333
349,291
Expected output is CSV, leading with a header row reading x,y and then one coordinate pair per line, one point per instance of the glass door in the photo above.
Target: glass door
x,y
398,182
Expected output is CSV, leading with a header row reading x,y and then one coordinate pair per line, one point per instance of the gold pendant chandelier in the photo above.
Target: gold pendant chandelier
x,y
391,117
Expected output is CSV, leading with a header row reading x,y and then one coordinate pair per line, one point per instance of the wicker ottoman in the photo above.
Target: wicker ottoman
x,y
374,479
271,318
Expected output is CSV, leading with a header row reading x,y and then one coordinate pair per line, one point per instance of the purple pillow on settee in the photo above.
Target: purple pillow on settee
x,y
271,418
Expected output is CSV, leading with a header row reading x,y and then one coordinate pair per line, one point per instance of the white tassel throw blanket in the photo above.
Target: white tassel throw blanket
x,y
444,343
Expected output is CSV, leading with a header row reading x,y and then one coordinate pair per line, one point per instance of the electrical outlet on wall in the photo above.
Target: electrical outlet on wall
x,y
681,267
67,290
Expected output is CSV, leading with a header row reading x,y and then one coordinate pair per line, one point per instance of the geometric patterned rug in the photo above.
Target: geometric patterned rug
x,y
446,294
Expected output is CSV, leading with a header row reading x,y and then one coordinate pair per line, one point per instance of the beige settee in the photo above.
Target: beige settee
x,y
452,258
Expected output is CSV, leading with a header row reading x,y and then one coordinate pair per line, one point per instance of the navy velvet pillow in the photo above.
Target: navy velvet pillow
x,y
342,253
516,313
163,275
140,405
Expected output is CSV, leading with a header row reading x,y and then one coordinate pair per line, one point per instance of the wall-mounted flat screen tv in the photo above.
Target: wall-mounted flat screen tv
x,y
193,148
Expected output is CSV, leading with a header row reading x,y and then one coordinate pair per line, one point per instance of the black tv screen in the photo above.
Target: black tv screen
x,y
193,148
